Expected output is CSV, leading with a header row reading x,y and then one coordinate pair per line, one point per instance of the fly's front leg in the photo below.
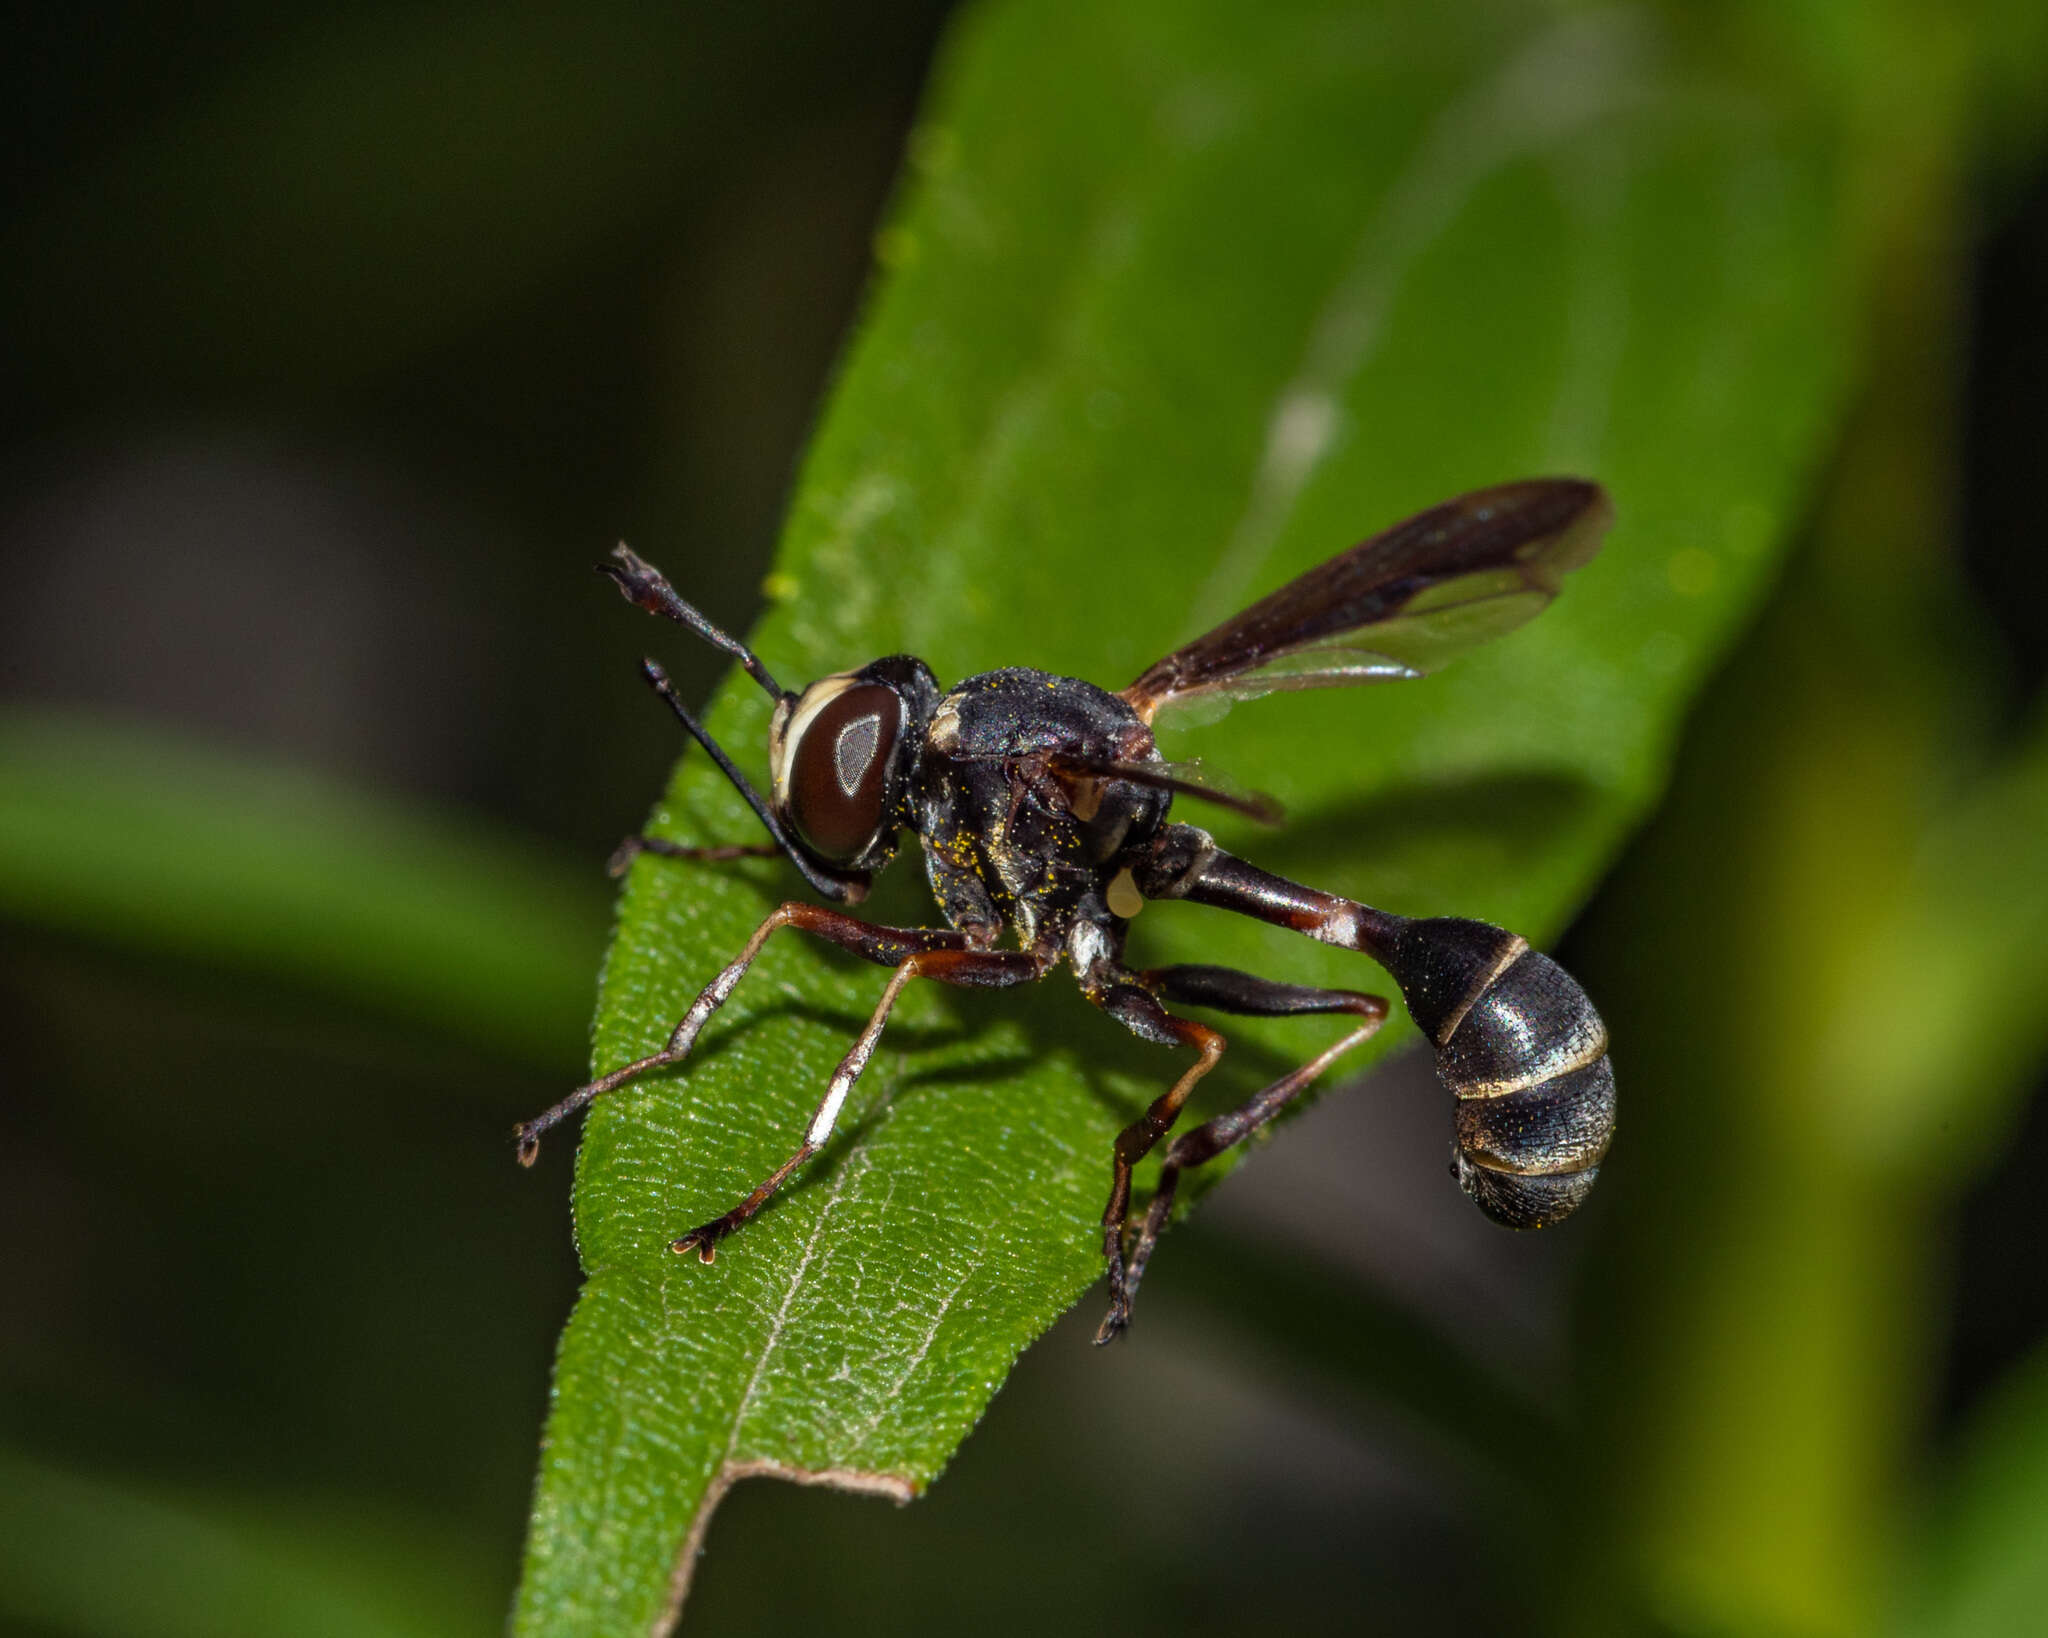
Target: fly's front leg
x,y
1140,1012
1227,990
886,946
996,969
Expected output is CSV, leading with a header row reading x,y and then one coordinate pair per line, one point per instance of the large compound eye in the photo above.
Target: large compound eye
x,y
838,769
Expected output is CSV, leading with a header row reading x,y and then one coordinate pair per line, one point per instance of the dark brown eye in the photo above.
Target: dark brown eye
x,y
839,767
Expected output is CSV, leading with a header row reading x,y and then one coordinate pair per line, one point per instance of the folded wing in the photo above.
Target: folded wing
x,y
1398,605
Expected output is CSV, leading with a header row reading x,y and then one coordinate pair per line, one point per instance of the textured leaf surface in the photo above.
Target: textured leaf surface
x,y
1180,300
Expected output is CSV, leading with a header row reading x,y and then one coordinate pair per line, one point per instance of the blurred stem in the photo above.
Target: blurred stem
x,y
1985,1562
1764,1325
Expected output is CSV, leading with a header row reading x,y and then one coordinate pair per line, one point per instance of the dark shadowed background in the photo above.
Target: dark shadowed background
x,y
338,343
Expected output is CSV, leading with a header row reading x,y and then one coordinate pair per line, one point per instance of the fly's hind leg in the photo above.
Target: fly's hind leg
x,y
1225,990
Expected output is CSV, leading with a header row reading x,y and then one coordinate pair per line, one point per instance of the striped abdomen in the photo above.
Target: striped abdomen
x,y
1525,1055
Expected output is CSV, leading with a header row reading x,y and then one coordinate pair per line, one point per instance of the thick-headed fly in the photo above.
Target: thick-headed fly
x,y
1042,804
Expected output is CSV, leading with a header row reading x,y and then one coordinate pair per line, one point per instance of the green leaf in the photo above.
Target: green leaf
x,y
1180,299
136,839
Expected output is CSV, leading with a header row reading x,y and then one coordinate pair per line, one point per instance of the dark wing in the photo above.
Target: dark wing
x,y
1399,605
1183,778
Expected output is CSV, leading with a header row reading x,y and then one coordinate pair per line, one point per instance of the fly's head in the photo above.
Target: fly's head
x,y
843,755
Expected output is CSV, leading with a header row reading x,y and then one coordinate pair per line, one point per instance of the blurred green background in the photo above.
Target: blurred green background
x,y
337,344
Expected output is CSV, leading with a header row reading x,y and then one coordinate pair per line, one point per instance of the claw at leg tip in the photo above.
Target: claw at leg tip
x,y
696,1240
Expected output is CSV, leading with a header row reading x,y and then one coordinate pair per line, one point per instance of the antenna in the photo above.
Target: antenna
x,y
646,587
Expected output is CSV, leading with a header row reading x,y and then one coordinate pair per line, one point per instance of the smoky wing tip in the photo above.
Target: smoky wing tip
x,y
1588,492
1593,511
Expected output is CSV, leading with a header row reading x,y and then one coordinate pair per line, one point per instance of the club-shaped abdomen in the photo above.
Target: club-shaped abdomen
x,y
1524,1054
